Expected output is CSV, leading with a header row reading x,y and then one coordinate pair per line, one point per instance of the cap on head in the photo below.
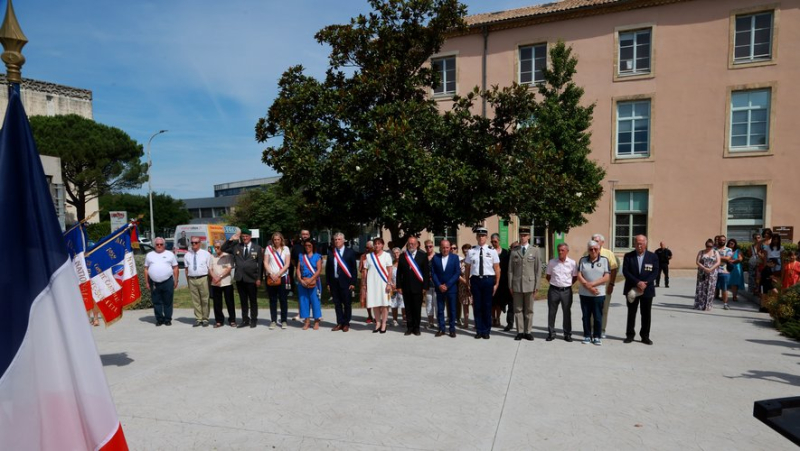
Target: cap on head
x,y
480,230
245,231
524,230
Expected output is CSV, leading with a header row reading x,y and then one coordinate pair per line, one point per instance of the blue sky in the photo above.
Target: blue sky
x,y
204,70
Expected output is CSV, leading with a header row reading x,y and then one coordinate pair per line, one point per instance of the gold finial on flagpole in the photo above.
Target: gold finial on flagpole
x,y
13,39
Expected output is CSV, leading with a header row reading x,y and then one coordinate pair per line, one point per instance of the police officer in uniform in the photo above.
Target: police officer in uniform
x,y
483,265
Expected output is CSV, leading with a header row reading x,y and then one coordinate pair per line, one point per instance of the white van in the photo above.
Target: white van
x,y
207,233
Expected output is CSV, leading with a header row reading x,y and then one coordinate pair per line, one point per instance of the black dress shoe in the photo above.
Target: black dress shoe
x,y
452,335
168,323
529,337
628,340
507,328
416,333
486,336
243,324
440,333
519,337
568,339
160,323
550,338
408,332
647,341
477,336
253,323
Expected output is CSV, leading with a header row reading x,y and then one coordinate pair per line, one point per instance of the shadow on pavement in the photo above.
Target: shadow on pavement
x,y
148,319
119,359
771,376
785,344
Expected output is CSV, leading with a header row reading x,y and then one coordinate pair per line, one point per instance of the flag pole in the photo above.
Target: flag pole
x,y
13,39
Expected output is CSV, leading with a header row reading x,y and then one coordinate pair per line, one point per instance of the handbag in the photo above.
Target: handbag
x,y
274,283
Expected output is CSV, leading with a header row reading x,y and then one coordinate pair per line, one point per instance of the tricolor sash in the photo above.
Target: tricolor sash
x,y
277,257
307,262
381,269
414,266
341,264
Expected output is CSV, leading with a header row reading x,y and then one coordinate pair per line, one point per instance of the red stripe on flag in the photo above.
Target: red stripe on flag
x,y
116,442
130,291
86,294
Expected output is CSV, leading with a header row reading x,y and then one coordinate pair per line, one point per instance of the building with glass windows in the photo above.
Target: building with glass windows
x,y
694,119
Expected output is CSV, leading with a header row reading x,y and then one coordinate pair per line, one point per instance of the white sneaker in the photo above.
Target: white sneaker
x,y
586,340
598,342
272,325
394,323
283,326
603,335
725,306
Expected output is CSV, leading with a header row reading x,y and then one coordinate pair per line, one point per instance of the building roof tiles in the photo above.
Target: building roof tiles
x,y
536,10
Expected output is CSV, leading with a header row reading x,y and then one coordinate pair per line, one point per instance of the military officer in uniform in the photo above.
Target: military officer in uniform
x,y
524,268
248,258
483,266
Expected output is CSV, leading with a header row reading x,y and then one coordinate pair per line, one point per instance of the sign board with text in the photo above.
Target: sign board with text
x,y
118,219
786,232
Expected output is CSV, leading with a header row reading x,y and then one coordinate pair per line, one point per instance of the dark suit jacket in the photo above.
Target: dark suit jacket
x,y
349,259
447,276
249,268
406,280
630,269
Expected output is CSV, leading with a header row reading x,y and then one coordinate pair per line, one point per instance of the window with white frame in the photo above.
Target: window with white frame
x,y
532,59
633,129
753,38
749,127
446,69
450,234
630,217
746,207
634,52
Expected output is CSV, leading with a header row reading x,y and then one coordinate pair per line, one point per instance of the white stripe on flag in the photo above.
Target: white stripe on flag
x,y
54,394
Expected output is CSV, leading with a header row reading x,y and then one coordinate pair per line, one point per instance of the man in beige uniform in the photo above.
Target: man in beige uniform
x,y
524,269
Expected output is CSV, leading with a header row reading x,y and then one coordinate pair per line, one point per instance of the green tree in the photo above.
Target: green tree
x,y
95,159
269,210
368,143
169,212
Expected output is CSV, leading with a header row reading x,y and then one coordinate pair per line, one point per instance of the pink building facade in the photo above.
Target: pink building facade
x,y
695,116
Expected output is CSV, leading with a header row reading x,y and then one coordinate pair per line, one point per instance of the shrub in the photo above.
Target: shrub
x,y
785,311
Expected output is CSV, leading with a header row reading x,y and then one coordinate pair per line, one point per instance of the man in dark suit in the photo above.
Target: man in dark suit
x,y
340,270
445,270
640,268
412,281
249,263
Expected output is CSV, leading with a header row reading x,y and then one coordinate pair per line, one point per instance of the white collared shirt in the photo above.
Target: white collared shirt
x,y
197,263
444,261
561,273
490,258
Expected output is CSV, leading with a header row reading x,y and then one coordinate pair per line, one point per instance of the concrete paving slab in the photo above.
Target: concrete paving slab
x,y
181,387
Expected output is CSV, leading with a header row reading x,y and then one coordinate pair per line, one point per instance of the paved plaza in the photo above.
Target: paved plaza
x,y
186,388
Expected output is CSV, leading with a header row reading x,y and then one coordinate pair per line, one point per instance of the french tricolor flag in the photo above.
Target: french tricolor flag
x,y
53,393
76,246
112,272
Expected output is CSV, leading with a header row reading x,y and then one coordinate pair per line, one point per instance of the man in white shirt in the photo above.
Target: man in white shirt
x,y
483,266
562,272
161,274
197,264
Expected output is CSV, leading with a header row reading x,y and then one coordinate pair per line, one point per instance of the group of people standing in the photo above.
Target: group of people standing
x,y
719,269
487,278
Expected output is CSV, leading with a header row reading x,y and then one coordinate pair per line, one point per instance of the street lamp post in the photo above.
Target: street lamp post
x,y
150,185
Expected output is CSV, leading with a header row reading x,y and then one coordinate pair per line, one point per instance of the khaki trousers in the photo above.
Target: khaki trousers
x,y
523,312
198,288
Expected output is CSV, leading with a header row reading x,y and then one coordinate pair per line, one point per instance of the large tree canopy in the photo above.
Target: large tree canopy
x,y
368,143
95,159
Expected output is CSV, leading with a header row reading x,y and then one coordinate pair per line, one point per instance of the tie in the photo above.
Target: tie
x,y
194,264
480,264
523,250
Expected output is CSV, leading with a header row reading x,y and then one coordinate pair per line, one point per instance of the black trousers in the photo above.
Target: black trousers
x,y
647,306
343,302
413,302
217,293
563,298
663,270
248,296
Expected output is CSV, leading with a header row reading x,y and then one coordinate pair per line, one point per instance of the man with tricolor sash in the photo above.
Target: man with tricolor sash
x,y
412,281
340,271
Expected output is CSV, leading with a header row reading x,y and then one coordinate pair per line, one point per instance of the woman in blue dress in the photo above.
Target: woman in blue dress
x,y
736,280
308,272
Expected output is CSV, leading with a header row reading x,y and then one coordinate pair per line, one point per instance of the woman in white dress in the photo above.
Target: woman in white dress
x,y
378,274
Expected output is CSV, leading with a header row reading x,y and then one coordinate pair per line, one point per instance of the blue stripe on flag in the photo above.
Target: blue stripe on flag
x,y
33,246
